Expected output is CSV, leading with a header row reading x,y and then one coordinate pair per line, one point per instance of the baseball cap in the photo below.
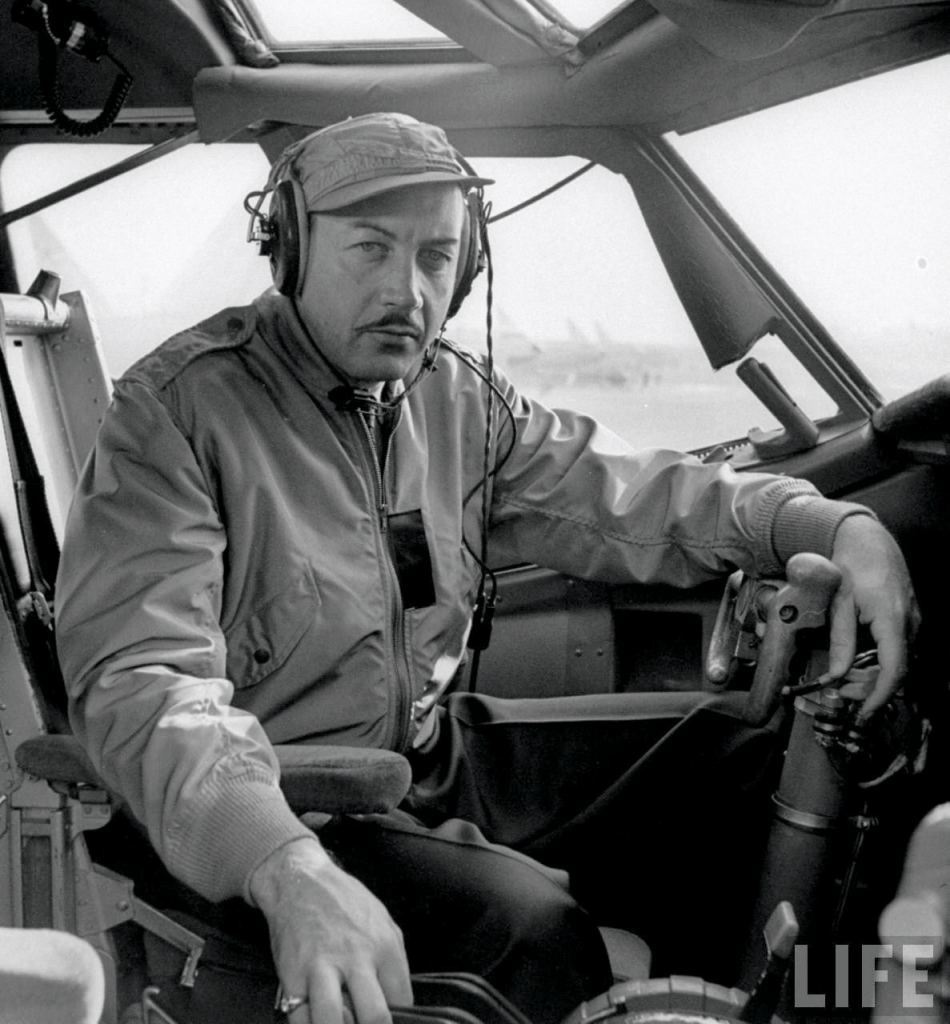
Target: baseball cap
x,y
364,156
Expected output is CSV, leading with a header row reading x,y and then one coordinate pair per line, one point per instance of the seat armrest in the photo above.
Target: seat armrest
x,y
334,780
342,780
59,760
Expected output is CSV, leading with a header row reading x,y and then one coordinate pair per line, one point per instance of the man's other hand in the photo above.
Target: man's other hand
x,y
875,591
334,943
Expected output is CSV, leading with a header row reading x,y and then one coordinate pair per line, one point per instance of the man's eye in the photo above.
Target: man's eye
x,y
436,258
372,248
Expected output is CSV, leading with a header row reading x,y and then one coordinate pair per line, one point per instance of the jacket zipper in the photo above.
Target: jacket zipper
x,y
399,733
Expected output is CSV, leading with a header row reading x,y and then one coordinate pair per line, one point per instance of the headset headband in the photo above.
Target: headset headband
x,y
283,233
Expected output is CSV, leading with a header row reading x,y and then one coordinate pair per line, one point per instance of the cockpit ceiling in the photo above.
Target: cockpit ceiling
x,y
658,77
663,64
732,29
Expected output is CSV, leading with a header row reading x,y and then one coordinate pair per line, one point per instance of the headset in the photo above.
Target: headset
x,y
283,235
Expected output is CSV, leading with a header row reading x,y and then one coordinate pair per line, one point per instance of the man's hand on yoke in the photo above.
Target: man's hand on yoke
x,y
331,938
876,591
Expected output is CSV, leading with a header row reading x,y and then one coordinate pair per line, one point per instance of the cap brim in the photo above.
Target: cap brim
x,y
349,194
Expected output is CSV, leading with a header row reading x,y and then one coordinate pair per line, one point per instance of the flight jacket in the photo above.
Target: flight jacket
x,y
229,578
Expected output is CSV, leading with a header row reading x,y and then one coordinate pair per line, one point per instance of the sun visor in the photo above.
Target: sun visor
x,y
227,100
745,29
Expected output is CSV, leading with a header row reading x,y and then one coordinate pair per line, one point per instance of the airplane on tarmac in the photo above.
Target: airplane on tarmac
x,y
580,358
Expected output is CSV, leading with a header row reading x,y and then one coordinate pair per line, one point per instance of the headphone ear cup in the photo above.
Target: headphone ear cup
x,y
472,260
289,237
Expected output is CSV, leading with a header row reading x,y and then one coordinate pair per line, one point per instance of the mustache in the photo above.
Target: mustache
x,y
393,320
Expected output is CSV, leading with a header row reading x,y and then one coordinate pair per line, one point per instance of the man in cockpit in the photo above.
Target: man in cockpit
x,y
278,538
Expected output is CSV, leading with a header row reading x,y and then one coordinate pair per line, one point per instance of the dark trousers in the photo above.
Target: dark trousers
x,y
650,807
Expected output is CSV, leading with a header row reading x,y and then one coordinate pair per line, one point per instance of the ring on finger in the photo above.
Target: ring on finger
x,y
287,1004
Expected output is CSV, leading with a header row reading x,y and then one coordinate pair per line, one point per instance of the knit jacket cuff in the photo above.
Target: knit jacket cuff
x,y
217,851
809,523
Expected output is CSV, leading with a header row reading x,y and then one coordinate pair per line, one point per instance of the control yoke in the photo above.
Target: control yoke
x,y
770,615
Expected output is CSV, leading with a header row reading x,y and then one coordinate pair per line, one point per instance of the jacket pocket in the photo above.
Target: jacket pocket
x,y
260,643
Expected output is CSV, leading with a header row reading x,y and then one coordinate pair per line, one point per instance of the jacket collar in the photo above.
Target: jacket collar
x,y
284,332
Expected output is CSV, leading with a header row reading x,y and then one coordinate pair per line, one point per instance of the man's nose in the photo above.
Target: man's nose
x,y
402,286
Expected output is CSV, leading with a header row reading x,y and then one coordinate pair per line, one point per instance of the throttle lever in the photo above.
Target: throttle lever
x,y
725,634
800,603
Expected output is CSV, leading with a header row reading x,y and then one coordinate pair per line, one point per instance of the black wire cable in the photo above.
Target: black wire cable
x,y
506,405
479,635
490,393
87,39
542,195
480,632
53,102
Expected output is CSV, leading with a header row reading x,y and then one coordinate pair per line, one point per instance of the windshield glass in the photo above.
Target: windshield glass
x,y
583,313
304,21
847,194
154,250
382,21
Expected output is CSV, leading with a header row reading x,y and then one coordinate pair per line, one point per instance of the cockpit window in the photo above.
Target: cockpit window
x,y
329,22
584,315
154,250
582,14
362,22
846,193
